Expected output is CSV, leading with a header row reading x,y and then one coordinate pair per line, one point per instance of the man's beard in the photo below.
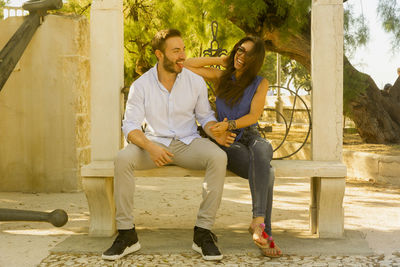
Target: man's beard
x,y
170,66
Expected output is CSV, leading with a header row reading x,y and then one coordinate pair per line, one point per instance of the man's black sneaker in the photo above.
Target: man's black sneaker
x,y
205,243
125,243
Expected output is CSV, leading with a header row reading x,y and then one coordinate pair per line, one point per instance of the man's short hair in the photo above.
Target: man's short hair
x,y
159,39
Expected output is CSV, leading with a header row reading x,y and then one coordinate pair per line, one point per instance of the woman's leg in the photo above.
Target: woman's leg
x,y
238,159
239,163
260,180
252,162
270,196
263,182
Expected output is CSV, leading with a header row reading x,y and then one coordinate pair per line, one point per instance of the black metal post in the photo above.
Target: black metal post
x,y
15,47
12,52
57,217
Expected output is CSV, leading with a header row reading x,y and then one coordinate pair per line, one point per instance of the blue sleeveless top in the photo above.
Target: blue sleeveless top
x,y
239,109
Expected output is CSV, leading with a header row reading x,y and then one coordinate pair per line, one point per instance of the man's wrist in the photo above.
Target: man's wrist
x,y
231,125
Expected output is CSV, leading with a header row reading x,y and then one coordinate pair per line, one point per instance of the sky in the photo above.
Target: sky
x,y
376,59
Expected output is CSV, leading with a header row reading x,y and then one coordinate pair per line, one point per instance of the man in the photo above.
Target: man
x,y
394,91
169,99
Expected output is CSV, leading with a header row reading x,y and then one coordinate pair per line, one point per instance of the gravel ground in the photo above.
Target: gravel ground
x,y
229,260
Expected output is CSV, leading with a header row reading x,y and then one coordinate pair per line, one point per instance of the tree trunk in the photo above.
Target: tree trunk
x,y
375,114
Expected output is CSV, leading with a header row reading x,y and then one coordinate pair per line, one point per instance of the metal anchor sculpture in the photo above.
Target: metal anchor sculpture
x,y
9,57
15,47
214,52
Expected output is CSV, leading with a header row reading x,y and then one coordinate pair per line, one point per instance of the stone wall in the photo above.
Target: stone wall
x,y
378,168
44,108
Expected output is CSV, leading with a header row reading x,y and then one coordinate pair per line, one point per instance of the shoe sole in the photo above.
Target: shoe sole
x,y
207,258
135,247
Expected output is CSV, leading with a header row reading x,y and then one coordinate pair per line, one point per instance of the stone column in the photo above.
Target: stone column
x,y
327,108
107,75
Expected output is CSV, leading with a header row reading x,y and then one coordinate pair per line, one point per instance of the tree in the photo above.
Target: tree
x,y
143,18
285,27
2,5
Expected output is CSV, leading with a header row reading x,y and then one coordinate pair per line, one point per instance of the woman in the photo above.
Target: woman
x,y
240,101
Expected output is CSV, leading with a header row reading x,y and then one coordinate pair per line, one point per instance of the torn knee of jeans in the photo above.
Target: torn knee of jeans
x,y
264,145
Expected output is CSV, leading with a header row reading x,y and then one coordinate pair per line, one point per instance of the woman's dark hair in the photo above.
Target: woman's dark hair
x,y
232,90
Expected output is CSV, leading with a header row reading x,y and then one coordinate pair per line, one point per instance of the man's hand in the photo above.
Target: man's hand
x,y
219,128
225,139
160,155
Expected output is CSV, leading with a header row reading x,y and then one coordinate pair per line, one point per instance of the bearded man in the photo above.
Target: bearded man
x,y
169,99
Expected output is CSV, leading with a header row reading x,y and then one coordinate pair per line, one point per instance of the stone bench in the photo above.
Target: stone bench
x,y
326,205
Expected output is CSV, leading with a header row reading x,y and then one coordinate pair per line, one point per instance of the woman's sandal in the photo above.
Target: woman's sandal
x,y
260,229
270,246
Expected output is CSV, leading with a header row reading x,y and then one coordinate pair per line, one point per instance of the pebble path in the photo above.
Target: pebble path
x,y
249,259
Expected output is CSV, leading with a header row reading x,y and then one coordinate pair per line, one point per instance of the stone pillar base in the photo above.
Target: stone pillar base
x,y
326,209
100,195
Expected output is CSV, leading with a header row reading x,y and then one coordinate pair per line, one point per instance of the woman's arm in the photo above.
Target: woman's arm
x,y
256,109
199,66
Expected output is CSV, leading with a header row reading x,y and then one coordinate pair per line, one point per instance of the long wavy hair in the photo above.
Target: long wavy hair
x,y
231,90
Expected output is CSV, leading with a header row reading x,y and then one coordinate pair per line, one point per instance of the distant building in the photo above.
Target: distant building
x,y
12,11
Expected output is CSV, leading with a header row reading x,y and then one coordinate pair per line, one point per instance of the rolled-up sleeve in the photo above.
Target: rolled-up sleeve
x,y
203,111
134,113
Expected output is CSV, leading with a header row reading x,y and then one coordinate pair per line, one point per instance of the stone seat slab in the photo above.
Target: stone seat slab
x,y
283,168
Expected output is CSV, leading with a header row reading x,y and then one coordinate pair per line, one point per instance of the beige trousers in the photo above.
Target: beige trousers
x,y
201,153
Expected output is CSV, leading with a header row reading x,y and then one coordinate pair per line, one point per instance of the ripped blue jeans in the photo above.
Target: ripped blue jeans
x,y
250,158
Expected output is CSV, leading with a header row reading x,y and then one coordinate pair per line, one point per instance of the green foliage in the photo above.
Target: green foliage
x,y
78,7
295,73
356,32
143,18
244,12
354,84
268,70
389,10
292,73
296,14
3,3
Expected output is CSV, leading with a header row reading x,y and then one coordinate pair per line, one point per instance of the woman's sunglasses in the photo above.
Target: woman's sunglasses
x,y
240,51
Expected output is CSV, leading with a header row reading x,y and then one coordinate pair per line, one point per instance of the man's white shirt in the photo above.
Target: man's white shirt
x,y
168,115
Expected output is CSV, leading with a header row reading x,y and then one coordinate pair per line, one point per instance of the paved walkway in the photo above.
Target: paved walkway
x,y
165,214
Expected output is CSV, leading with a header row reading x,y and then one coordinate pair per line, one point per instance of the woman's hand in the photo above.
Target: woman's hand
x,y
219,128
